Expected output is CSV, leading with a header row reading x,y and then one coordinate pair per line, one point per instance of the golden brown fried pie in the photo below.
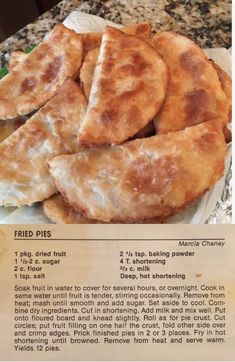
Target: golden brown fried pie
x,y
128,89
91,43
142,179
24,176
60,212
86,79
7,127
93,40
38,77
194,94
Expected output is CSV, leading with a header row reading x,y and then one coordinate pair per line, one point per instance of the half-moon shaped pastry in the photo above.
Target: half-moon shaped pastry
x,y
24,175
38,77
86,79
194,94
91,44
93,40
151,178
128,89
7,127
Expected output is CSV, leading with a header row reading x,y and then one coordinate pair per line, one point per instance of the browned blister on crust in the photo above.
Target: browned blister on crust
x,y
145,179
194,94
93,39
60,212
33,81
128,89
24,176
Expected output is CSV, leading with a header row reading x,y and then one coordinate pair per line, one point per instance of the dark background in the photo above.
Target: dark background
x,y
14,14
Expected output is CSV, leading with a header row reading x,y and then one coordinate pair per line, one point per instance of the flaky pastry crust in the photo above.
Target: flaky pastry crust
x,y
128,89
194,94
24,176
35,79
145,179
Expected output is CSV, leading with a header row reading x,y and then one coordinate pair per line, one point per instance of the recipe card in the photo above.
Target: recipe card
x,y
117,292
121,133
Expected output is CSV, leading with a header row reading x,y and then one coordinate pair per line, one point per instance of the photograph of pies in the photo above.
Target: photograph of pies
x,y
119,126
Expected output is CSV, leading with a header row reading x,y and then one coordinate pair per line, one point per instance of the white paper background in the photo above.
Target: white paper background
x,y
196,214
